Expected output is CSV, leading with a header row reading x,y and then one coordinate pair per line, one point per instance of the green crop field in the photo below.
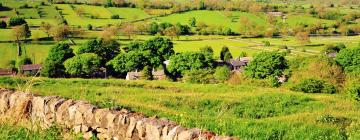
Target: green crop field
x,y
243,111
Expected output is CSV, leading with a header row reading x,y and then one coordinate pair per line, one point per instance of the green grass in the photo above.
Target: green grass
x,y
7,14
7,34
37,22
18,3
74,19
244,111
15,129
49,12
28,13
293,20
214,18
128,13
8,52
98,11
36,52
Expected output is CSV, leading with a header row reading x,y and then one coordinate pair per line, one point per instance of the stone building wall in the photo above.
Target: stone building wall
x,y
89,120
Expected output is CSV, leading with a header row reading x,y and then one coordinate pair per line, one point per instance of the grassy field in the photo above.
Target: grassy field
x,y
7,34
214,18
244,111
293,20
48,12
98,11
76,20
129,13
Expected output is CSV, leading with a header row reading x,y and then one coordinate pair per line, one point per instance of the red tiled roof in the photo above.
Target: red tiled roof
x,y
6,71
30,67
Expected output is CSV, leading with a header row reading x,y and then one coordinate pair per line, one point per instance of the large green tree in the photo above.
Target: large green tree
x,y
54,63
225,51
183,62
106,50
151,53
266,64
349,59
83,65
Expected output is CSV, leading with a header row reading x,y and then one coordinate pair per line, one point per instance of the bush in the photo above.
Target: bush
x,y
314,86
11,64
24,6
349,59
3,24
54,63
83,65
89,27
266,43
333,48
24,61
266,64
200,76
115,17
14,21
147,73
222,73
354,92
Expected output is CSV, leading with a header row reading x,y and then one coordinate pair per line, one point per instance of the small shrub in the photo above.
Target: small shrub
x,y
267,43
14,21
25,61
314,86
89,27
24,6
202,76
274,82
3,24
222,73
354,92
115,17
147,73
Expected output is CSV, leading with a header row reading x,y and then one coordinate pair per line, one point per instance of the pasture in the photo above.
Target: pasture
x,y
214,18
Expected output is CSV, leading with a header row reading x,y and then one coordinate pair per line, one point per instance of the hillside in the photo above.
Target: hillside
x,y
247,112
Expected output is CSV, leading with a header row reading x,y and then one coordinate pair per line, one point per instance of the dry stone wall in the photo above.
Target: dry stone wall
x,y
89,120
